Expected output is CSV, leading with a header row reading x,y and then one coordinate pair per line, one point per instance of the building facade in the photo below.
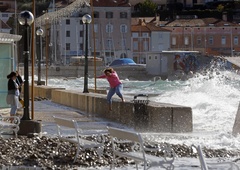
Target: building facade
x,y
109,34
112,30
113,34
147,37
210,36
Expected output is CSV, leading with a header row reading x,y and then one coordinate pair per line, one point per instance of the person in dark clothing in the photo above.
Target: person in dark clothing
x,y
13,93
19,81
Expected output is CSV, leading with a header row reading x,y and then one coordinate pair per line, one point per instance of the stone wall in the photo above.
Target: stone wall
x,y
153,117
124,72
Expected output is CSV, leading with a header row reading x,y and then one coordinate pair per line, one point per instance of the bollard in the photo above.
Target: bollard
x,y
141,117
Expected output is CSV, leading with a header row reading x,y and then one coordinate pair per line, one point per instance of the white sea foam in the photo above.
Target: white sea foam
x,y
213,97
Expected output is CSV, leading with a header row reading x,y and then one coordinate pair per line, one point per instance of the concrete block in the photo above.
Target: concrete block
x,y
101,106
160,119
74,100
236,126
100,91
56,96
29,126
126,113
66,98
81,102
155,117
182,119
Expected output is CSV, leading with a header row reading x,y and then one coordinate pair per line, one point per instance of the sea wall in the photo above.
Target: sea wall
x,y
124,72
153,117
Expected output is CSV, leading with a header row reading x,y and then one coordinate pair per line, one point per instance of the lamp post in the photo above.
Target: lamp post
x,y
86,19
47,48
39,32
25,19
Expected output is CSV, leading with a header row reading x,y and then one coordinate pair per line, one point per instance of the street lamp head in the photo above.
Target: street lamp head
x,y
39,32
25,18
87,19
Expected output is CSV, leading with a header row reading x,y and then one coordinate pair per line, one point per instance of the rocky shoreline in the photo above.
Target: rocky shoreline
x,y
41,152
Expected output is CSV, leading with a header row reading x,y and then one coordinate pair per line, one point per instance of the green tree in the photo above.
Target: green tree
x,y
220,7
147,9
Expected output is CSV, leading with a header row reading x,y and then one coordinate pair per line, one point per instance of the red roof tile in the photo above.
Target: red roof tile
x,y
111,3
144,26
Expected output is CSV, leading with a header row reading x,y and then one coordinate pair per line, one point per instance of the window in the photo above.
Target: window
x,y
4,15
95,27
145,35
174,41
199,40
97,53
81,33
145,45
186,40
109,14
210,40
149,57
109,44
96,43
135,45
123,43
235,40
109,28
123,28
123,15
67,46
223,42
67,21
81,46
96,15
67,33
135,35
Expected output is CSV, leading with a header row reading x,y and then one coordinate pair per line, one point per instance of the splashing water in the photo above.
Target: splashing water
x,y
213,96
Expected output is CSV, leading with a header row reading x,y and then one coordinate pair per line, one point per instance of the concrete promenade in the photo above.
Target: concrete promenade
x,y
45,110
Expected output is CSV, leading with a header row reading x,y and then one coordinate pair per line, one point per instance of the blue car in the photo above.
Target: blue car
x,y
122,61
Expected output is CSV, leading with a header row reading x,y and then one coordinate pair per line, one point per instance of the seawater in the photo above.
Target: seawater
x,y
213,96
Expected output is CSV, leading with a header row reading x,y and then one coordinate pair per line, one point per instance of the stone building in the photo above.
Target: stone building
x,y
210,36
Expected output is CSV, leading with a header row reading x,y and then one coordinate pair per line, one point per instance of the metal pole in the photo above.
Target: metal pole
x,y
26,83
94,46
39,61
47,51
85,90
33,58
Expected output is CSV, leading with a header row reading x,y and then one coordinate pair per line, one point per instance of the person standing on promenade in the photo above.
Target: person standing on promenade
x,y
13,93
116,85
19,81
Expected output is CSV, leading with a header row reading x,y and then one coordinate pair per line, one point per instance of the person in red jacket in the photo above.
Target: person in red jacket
x,y
116,85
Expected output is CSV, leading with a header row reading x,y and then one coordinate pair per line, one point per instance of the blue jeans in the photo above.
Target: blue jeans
x,y
112,91
13,109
